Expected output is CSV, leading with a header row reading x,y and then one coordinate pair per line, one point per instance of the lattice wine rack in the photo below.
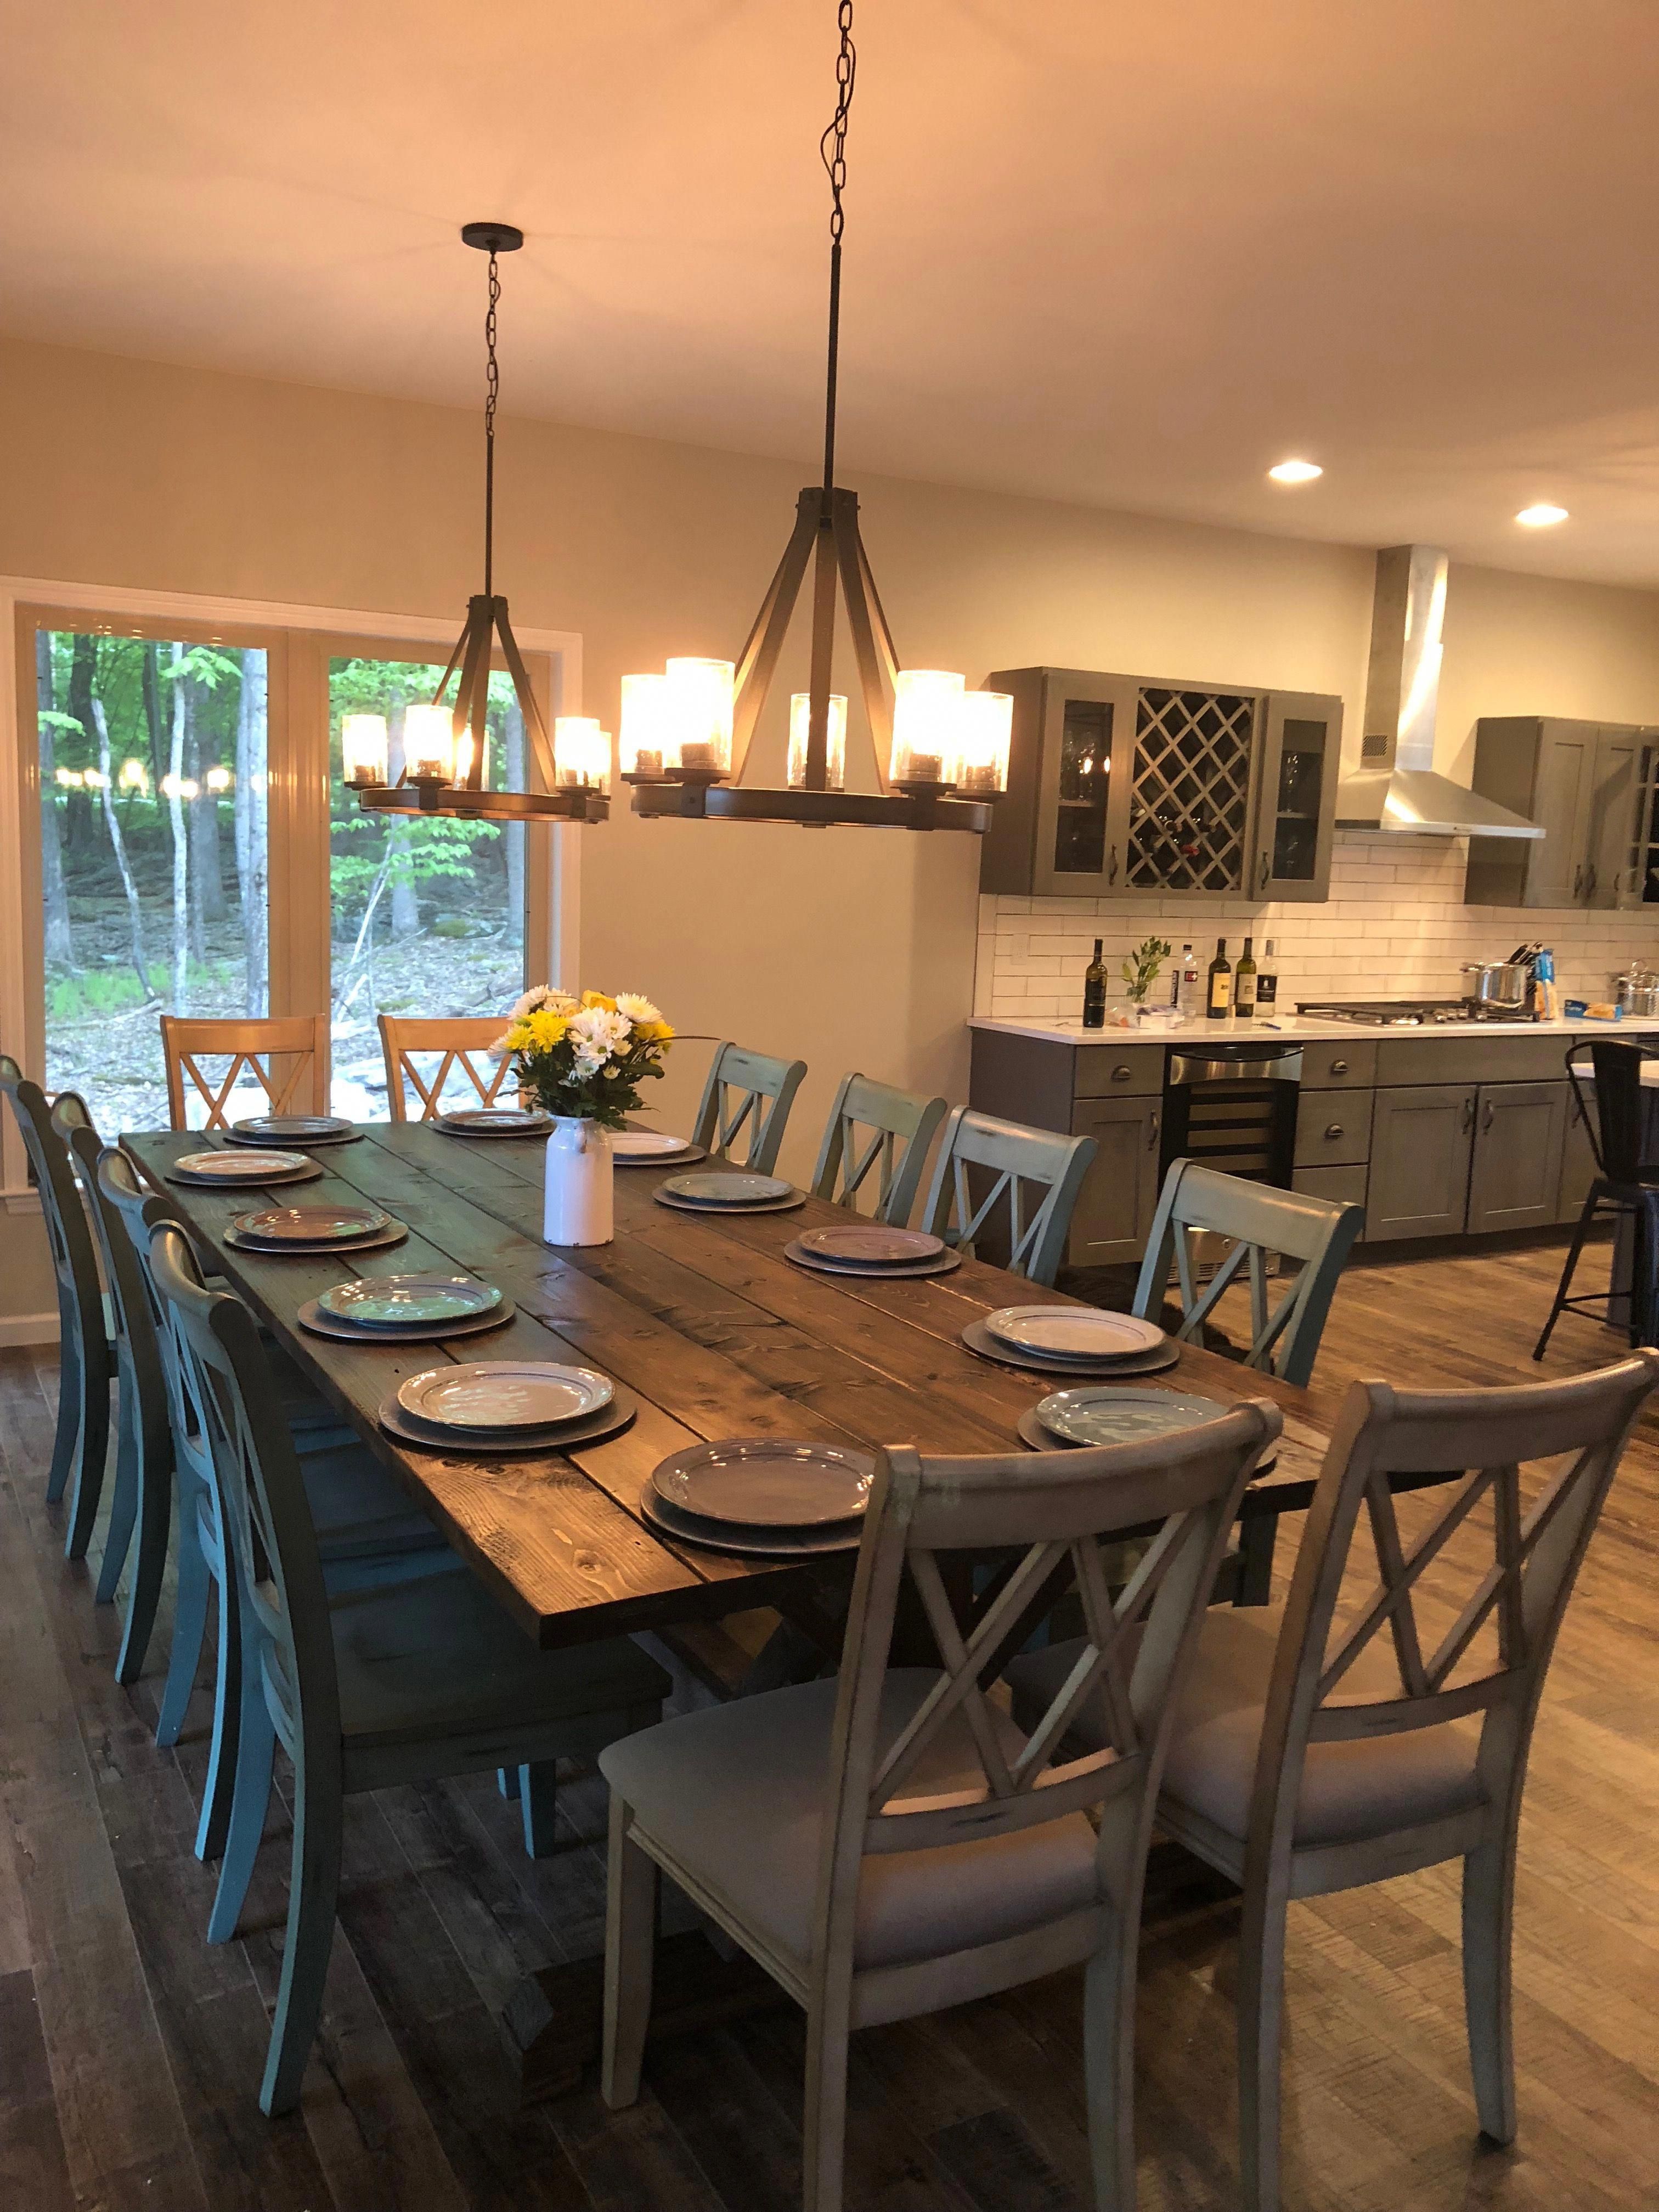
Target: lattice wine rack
x,y
1189,796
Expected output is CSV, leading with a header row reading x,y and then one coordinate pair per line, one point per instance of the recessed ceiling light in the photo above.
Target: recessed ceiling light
x,y
1542,516
1295,471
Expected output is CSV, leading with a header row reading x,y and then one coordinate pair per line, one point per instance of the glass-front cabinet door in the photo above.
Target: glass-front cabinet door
x,y
1301,756
1082,815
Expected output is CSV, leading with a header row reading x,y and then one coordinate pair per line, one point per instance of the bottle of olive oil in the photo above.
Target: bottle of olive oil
x,y
1094,991
1218,1000
1244,983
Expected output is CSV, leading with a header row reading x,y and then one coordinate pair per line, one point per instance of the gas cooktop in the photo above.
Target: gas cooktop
x,y
1409,1013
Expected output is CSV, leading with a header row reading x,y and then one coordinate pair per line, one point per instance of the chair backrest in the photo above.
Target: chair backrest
x,y
140,1213
69,1236
747,1090
254,1047
1614,1123
1058,1508
1505,1586
1013,1157
1261,1221
260,1491
137,1353
902,1127
464,1045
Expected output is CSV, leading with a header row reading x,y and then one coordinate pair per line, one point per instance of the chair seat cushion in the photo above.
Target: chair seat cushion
x,y
440,1658
736,1794
1349,1791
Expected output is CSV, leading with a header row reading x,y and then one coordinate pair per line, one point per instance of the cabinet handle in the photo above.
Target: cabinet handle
x,y
1590,882
1121,1074
1111,871
1338,1067
1485,1116
1261,877
1468,1112
1578,880
1335,1129
1152,1131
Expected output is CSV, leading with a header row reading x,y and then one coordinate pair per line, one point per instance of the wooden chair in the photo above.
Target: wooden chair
x,y
735,1097
887,1844
895,1119
396,1686
300,1039
1306,1760
1012,1157
464,1042
85,1369
1625,1184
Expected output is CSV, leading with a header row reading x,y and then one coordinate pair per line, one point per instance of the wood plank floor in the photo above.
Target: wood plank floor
x,y
129,2052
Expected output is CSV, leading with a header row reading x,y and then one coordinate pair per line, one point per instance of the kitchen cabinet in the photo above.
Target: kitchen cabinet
x,y
1515,1176
1114,1214
1121,785
1583,783
1578,1167
1422,1137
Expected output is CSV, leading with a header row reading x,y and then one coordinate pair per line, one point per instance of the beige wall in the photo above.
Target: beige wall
x,y
851,948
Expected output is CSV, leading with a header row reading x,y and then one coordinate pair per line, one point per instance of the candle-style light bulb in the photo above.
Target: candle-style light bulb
x,y
926,725
429,745
701,698
800,727
646,745
364,750
581,753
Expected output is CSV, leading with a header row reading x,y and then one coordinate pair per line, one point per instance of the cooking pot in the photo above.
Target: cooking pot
x,y
1636,992
1498,982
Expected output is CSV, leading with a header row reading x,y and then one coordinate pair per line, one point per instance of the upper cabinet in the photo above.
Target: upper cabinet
x,y
1120,784
1589,788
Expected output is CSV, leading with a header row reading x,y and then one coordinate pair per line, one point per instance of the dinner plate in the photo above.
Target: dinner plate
x,y
311,1224
247,1171
750,1544
942,1266
292,1129
1073,1332
645,1148
872,1245
381,1241
494,1121
457,1444
495,1396
770,1482
1104,1413
406,1301
725,1187
978,1337
664,1197
312,1317
1040,1438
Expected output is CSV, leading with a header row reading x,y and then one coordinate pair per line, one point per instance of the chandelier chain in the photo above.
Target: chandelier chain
x,y
832,150
492,392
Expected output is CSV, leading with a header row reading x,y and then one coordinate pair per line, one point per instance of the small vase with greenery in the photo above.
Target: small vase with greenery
x,y
1139,970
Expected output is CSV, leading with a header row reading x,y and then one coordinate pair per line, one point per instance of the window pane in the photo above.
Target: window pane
x,y
154,873
427,914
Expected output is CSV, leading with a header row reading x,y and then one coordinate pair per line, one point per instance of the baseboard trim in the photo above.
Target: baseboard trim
x,y
27,1328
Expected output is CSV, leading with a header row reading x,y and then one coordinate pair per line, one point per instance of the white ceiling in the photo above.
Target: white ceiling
x,y
1107,251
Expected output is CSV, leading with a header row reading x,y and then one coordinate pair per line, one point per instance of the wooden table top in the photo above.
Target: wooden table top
x,y
704,1319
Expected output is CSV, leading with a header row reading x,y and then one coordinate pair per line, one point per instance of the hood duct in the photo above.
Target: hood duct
x,y
1397,788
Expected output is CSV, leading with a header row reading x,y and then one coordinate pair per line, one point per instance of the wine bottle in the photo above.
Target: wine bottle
x,y
1245,984
1266,983
1094,991
1178,976
1218,1000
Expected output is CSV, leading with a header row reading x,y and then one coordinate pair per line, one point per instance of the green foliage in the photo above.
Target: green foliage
x,y
1140,969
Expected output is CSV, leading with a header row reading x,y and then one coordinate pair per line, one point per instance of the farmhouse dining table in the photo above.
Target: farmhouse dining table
x,y
718,1335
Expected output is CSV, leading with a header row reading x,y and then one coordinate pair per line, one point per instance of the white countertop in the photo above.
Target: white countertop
x,y
1290,1025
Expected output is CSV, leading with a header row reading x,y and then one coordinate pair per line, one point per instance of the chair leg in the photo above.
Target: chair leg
x,y
314,1894
1586,1215
91,1452
236,1694
1488,1920
1108,2059
632,1886
1260,2004
150,1564
123,1505
506,1781
824,2127
190,1612
537,1795
256,1750
68,1412
1644,1275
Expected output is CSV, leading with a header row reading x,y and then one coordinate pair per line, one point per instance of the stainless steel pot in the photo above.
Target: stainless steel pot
x,y
1636,991
1498,982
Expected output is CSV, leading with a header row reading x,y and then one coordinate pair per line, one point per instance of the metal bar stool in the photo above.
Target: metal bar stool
x,y
1626,1185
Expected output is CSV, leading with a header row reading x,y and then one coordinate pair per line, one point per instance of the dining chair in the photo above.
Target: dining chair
x,y
1624,1185
81,1445
887,1842
464,1043
1009,1157
382,1688
1307,1758
735,1098
255,1048
902,1130
367,1530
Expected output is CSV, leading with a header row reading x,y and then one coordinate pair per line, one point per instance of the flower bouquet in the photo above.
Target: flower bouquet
x,y
583,1061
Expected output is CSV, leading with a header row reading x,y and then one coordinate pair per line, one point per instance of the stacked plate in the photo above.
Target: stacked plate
x,y
293,1129
727,1191
1082,1340
302,1231
243,1168
764,1497
505,1405
495,1122
1106,1414
650,1148
405,1308
871,1248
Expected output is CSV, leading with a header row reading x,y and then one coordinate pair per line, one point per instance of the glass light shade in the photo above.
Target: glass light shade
x,y
464,757
700,697
429,744
926,725
647,745
800,723
364,749
984,727
218,779
581,753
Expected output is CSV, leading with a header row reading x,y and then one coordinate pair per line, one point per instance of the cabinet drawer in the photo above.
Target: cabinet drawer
x,y
1342,1186
1115,1071
1332,1128
1466,1058
1328,1066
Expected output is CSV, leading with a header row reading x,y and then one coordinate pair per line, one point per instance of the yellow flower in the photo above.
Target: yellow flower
x,y
656,1032
516,1040
599,998
545,1028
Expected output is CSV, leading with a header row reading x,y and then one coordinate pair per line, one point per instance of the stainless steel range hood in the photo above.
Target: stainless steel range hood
x,y
1397,788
